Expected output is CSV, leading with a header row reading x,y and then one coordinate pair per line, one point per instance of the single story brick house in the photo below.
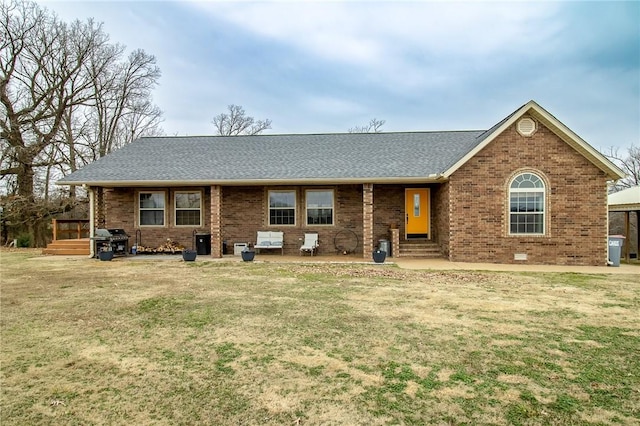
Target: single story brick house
x,y
527,190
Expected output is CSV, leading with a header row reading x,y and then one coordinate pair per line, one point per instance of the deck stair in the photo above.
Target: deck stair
x,y
78,247
421,248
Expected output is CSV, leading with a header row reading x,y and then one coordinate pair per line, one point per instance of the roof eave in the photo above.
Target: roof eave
x,y
624,207
434,178
566,134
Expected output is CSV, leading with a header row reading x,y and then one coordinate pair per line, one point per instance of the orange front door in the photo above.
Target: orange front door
x,y
417,212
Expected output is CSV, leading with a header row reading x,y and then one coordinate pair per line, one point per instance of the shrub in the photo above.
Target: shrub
x,y
24,240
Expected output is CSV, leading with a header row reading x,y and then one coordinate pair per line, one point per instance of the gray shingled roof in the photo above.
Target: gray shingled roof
x,y
286,158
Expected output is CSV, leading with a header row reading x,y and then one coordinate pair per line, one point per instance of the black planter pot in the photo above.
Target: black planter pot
x,y
189,255
379,256
248,255
105,255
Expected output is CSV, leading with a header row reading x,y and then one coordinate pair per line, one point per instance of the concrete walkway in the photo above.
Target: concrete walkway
x,y
404,263
445,264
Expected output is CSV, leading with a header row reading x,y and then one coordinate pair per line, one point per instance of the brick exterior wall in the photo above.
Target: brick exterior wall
x,y
236,214
121,212
242,216
245,211
440,215
576,203
388,210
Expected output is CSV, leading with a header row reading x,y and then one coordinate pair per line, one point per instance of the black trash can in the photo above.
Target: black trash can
x,y
203,243
385,245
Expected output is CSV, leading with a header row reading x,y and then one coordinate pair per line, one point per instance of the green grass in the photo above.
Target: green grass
x,y
169,342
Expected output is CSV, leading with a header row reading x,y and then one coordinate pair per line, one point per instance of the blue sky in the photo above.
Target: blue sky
x,y
316,67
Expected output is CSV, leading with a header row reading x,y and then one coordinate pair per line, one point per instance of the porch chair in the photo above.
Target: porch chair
x,y
310,244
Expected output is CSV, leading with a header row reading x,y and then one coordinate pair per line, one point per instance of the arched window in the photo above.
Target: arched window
x,y
526,204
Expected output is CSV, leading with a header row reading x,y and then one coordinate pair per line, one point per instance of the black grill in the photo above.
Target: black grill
x,y
115,240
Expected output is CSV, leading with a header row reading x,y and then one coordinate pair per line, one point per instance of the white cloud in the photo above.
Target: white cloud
x,y
406,44
327,66
371,32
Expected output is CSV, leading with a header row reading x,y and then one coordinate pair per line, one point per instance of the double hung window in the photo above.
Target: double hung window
x,y
152,208
320,207
188,208
282,208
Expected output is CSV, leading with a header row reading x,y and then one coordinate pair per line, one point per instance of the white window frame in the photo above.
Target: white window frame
x,y
333,207
536,190
164,209
176,209
294,208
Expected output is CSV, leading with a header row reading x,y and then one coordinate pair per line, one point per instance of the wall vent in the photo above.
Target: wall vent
x,y
526,126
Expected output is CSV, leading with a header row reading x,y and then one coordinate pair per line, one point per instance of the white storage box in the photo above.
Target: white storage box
x,y
238,247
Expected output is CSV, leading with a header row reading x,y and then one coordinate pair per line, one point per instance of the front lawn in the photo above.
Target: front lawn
x,y
224,343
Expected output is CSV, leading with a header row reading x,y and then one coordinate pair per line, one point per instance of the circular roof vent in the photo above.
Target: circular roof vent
x,y
526,126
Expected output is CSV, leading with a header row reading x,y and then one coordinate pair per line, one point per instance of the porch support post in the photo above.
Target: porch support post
x,y
216,218
395,242
367,220
92,220
101,219
627,235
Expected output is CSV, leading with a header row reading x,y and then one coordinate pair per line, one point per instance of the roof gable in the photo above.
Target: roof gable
x,y
563,132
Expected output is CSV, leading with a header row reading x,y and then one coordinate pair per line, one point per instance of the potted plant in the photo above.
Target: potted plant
x,y
248,253
189,255
379,256
105,254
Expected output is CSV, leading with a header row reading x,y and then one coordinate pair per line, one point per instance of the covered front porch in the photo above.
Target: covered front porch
x,y
350,219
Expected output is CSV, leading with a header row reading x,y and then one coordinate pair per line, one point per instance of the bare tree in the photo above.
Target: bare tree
x,y
628,163
67,97
374,126
120,110
123,108
41,77
236,122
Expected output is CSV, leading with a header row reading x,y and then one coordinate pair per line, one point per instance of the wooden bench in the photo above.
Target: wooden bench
x,y
270,240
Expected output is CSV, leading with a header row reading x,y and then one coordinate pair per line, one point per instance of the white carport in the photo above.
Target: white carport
x,y
627,201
